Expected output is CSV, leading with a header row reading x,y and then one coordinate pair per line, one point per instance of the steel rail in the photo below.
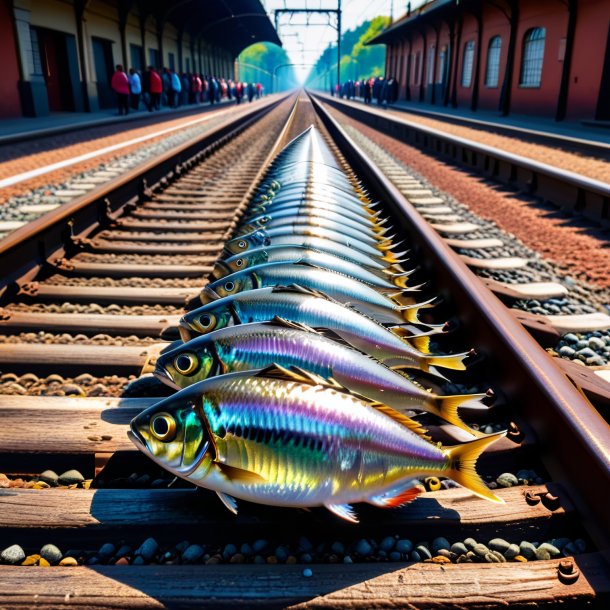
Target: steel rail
x,y
25,251
574,438
566,189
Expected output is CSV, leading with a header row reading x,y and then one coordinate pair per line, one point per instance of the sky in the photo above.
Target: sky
x,y
305,43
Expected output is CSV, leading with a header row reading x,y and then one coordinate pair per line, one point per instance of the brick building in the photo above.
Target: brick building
x,y
59,55
540,57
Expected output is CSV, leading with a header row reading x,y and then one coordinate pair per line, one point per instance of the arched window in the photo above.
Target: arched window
x,y
533,54
492,72
467,62
431,54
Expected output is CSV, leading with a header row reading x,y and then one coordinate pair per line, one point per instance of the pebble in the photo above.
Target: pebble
x,y
229,551
404,546
49,476
237,558
387,544
148,549
70,477
123,561
348,559
338,548
480,550
499,544
260,546
31,560
459,548
566,351
306,558
51,553
305,544
138,560
395,556
123,550
106,551
192,553
415,556
570,338
512,551
507,479
440,543
470,543
364,548
281,552
528,550
246,549
307,573
12,555
596,343
68,562
43,563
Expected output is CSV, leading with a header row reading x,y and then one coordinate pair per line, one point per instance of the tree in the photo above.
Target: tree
x,y
358,61
256,64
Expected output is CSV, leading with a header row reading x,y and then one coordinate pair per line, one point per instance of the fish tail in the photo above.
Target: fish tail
x,y
410,312
420,343
446,407
455,362
394,258
462,462
387,243
400,279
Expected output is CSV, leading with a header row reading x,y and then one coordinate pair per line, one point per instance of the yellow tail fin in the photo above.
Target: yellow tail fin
x,y
455,362
410,312
462,462
420,343
446,407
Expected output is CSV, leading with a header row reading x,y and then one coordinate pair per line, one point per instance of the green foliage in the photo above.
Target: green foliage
x,y
257,63
357,60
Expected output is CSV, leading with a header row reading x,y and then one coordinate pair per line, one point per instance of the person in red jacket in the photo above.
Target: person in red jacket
x,y
120,85
156,88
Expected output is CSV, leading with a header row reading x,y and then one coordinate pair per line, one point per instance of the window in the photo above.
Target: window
x,y
442,65
493,62
431,54
467,63
533,54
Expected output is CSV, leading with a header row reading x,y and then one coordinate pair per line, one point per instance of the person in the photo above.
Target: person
x,y
120,85
250,91
165,80
175,87
259,90
135,88
196,86
156,88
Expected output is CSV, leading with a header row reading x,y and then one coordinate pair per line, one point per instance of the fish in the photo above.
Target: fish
x,y
289,438
385,308
316,310
380,250
254,346
258,240
273,254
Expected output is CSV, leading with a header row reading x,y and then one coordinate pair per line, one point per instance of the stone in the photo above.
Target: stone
x,y
338,548
387,544
404,546
566,351
596,343
192,553
31,560
51,553
512,551
423,551
260,546
148,549
229,551
307,573
470,543
499,544
70,477
459,548
123,561
507,479
68,562
415,556
305,544
480,550
551,549
49,476
363,547
440,543
528,550
107,551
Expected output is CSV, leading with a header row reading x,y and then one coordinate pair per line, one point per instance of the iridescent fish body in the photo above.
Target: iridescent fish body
x,y
280,438
254,346
345,289
316,310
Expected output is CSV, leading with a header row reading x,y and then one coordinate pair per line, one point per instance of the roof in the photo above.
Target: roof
x,y
415,19
230,24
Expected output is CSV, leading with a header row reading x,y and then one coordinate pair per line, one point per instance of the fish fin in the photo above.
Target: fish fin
x,y
394,258
400,418
421,343
462,462
303,290
294,373
207,295
229,501
279,321
446,407
239,475
394,501
400,279
345,511
455,362
409,312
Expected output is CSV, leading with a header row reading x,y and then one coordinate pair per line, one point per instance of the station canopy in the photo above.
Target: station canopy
x,y
230,24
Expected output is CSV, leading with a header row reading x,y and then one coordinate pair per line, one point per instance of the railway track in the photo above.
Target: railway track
x,y
101,297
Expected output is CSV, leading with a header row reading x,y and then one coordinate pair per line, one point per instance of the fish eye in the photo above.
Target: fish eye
x,y
241,244
239,262
229,286
207,320
163,427
186,363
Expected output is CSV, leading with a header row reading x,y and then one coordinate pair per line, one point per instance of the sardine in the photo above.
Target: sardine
x,y
289,438
385,309
254,346
313,309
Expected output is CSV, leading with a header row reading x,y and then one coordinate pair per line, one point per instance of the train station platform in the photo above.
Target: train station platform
x,y
597,132
26,128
